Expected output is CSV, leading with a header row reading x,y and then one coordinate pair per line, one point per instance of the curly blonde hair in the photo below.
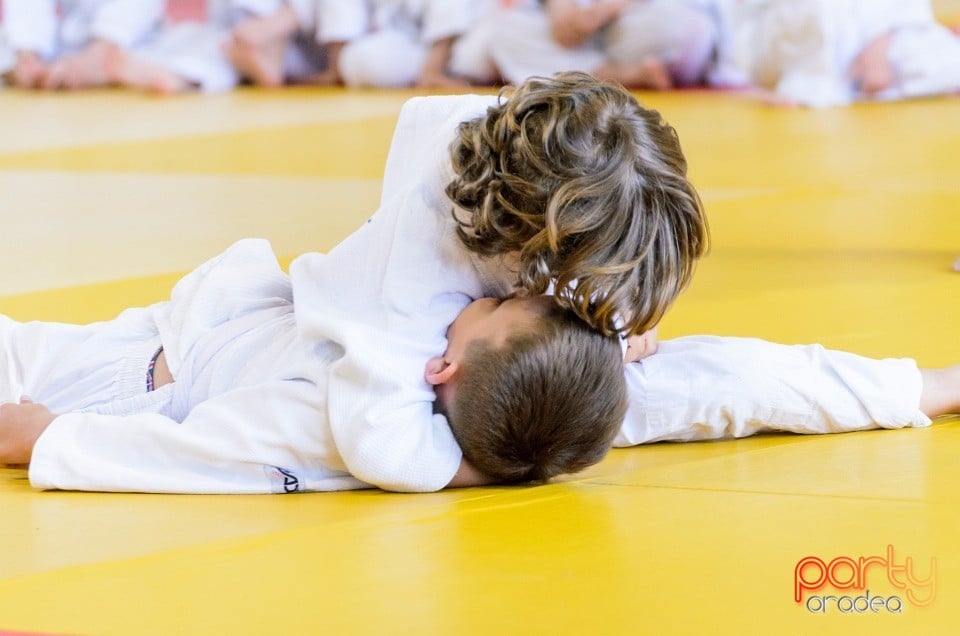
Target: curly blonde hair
x,y
590,189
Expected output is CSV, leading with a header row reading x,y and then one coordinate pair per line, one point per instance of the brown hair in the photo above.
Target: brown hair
x,y
590,188
547,401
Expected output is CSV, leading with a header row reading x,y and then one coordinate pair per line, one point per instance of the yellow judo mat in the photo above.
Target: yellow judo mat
x,y
836,226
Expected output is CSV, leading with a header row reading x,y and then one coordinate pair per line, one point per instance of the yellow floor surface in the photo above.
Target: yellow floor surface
x,y
835,226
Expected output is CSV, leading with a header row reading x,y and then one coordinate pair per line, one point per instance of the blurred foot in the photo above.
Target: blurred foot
x,y
650,74
262,65
129,70
28,71
86,69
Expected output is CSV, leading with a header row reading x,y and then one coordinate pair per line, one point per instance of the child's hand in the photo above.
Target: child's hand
x,y
642,346
20,427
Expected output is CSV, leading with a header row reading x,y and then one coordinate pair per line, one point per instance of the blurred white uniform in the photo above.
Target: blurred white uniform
x,y
332,20
322,22
6,54
52,28
803,49
674,32
388,40
192,50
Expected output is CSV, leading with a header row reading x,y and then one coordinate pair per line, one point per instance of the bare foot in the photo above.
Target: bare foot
x,y
86,69
956,265
28,71
650,73
129,70
262,65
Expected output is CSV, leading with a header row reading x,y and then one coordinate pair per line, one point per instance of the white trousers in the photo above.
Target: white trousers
x,y
7,60
389,58
393,58
96,368
678,35
925,60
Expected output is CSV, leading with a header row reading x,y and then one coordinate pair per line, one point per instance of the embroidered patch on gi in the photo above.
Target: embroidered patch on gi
x,y
282,481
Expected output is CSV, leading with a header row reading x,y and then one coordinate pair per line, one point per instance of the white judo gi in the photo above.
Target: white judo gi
x,y
680,36
245,415
388,40
700,388
7,59
52,28
332,20
803,49
323,22
316,382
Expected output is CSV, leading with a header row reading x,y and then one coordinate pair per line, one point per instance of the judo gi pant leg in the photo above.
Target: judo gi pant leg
x,y
681,37
71,368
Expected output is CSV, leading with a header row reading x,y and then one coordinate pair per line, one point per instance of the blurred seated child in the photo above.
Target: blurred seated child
x,y
651,44
189,55
215,391
65,45
822,53
423,43
299,42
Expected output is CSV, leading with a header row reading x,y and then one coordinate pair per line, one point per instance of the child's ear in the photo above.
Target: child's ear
x,y
439,371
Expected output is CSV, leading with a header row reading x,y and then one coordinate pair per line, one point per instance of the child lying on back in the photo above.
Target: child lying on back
x,y
529,390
